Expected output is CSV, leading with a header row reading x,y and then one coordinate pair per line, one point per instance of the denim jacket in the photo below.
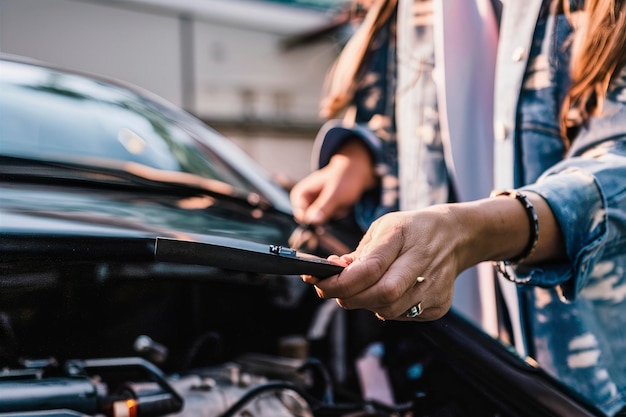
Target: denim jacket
x,y
573,314
575,311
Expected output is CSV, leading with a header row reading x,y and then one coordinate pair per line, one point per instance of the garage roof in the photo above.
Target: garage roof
x,y
315,4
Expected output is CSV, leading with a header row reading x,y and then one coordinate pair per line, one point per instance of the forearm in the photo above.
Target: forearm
x,y
354,157
498,228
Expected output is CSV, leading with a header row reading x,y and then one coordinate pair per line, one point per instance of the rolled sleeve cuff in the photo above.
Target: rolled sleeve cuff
x,y
577,202
333,134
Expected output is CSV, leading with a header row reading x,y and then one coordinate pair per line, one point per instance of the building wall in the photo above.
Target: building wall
x,y
138,47
235,76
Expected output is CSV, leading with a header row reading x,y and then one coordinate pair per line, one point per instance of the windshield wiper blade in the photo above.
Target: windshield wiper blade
x,y
121,173
245,256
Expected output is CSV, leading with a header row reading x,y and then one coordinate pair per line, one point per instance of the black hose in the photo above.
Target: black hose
x,y
314,404
250,395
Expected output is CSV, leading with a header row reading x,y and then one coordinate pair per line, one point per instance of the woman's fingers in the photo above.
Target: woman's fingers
x,y
405,263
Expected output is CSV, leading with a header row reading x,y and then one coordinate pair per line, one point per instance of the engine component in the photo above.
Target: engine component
x,y
85,389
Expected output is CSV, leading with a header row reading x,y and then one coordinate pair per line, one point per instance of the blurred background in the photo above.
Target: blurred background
x,y
251,69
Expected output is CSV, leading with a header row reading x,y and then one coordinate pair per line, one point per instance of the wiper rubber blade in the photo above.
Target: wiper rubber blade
x,y
245,256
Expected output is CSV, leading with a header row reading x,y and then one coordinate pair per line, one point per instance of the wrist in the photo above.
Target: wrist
x,y
533,223
533,238
354,157
499,229
496,229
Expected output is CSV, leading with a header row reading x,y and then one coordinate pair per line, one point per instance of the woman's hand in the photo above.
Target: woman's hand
x,y
411,259
330,192
404,259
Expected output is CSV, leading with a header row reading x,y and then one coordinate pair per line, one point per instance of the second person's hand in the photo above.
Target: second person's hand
x,y
331,191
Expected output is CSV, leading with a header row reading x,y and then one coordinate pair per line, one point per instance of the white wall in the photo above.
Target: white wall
x,y
233,62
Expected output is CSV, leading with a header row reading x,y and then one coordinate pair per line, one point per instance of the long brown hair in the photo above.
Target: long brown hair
x,y
341,80
599,54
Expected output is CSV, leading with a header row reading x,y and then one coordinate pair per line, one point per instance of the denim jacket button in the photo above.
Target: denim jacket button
x,y
518,54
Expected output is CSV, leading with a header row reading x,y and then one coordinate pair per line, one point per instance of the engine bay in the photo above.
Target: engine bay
x,y
106,339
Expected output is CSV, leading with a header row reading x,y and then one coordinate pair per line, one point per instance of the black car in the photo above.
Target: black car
x,y
148,267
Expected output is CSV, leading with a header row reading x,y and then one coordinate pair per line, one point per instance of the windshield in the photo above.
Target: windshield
x,y
52,115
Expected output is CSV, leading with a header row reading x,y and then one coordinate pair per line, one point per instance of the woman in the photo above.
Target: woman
x,y
405,141
559,235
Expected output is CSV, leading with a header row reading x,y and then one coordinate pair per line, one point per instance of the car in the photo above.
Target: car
x,y
149,267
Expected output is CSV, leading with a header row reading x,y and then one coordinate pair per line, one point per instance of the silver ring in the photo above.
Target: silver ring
x,y
414,311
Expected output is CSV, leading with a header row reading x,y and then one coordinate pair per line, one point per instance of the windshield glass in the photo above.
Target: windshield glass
x,y
52,115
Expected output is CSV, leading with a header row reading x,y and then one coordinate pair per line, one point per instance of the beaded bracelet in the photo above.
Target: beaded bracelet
x,y
534,232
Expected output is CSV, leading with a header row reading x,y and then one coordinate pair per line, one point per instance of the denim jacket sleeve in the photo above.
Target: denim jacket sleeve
x,y
587,194
335,133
